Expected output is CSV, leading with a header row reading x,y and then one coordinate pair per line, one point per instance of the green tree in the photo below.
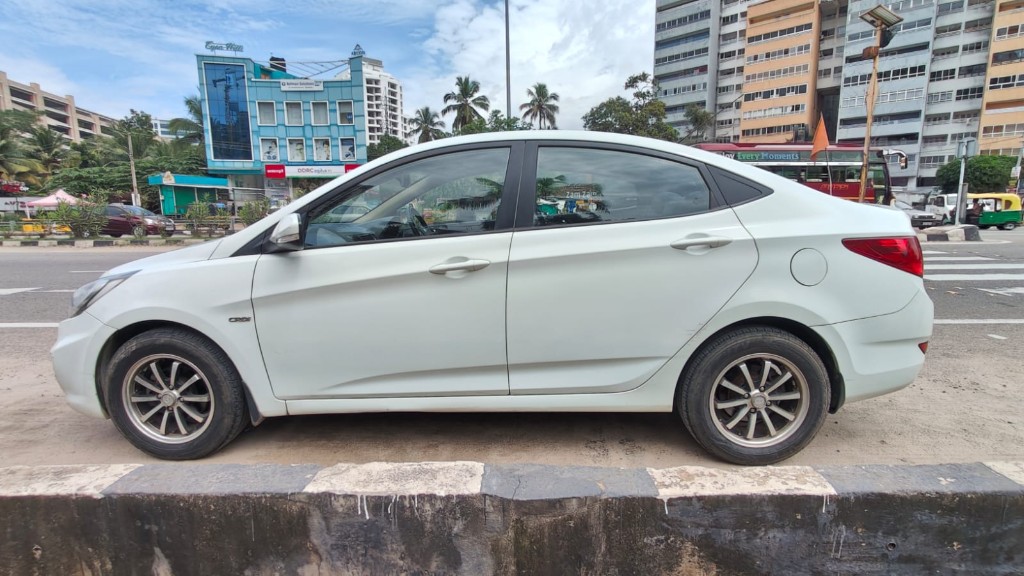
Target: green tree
x,y
137,125
16,163
496,122
49,149
644,115
464,101
699,120
84,154
541,107
387,145
426,125
190,128
982,174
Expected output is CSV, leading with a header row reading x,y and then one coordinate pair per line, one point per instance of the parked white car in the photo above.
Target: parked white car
x,y
549,271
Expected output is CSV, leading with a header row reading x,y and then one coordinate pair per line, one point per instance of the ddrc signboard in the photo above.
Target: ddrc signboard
x,y
282,171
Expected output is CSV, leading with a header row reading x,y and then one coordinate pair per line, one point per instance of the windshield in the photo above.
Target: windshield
x,y
903,205
139,211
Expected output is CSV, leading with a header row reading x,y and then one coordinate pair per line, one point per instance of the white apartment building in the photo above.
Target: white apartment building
x,y
383,93
933,77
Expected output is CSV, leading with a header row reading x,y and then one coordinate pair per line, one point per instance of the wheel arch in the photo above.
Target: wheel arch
x,y
117,339
801,331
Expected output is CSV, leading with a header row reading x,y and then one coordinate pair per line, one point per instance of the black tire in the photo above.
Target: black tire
x,y
114,235
717,416
984,227
1009,226
196,402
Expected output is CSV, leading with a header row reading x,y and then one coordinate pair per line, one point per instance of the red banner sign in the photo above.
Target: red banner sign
x,y
273,170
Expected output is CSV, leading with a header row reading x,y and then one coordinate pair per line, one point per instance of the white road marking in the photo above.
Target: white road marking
x,y
930,252
1012,470
956,259
690,481
87,271
996,337
981,321
54,291
9,291
973,277
973,266
79,480
401,479
1003,291
29,325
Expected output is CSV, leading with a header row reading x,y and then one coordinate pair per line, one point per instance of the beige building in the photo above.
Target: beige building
x,y
1002,119
780,71
58,112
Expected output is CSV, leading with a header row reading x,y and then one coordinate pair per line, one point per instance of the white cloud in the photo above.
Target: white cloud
x,y
583,51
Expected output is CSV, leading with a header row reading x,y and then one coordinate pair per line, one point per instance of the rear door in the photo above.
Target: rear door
x,y
619,257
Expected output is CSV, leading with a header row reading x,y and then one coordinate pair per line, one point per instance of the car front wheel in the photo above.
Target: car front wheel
x,y
754,396
174,394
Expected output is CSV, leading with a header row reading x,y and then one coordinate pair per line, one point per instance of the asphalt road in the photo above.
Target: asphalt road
x,y
963,408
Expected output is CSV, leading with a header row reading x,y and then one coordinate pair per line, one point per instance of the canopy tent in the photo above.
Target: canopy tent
x,y
53,200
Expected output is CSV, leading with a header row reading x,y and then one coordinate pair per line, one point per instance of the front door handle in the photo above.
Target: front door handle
x,y
463,265
701,242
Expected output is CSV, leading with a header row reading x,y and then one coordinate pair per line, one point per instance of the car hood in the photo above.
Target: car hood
x,y
189,254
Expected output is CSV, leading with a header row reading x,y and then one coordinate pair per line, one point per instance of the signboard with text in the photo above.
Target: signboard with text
x,y
283,171
302,85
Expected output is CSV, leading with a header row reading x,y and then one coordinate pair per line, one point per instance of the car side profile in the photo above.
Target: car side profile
x,y
127,219
549,271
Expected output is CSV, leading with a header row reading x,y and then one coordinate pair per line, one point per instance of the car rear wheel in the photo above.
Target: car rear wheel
x,y
754,396
174,394
1009,226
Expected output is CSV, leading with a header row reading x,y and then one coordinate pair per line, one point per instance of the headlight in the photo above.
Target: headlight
x,y
151,221
95,290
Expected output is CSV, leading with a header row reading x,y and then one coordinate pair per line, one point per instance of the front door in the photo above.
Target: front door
x,y
400,290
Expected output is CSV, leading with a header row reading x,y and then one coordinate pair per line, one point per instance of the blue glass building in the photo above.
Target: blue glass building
x,y
265,127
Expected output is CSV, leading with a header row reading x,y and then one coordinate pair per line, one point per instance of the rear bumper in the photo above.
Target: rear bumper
x,y
881,355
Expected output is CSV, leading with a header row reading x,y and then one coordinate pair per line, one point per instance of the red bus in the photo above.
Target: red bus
x,y
836,170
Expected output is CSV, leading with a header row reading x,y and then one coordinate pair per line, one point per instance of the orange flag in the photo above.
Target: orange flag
x,y
820,138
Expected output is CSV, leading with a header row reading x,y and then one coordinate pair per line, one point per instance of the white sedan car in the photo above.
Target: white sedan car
x,y
548,271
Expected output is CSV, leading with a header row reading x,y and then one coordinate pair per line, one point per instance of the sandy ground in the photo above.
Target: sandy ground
x,y
965,407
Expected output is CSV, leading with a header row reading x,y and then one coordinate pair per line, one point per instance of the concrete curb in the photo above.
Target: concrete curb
x,y
106,242
474,518
961,233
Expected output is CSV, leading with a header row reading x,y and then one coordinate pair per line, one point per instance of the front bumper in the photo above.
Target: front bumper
x,y
74,355
880,355
923,222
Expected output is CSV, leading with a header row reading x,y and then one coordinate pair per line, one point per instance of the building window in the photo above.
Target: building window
x,y
269,151
318,110
1009,32
345,112
1002,82
348,149
970,93
296,150
1008,57
940,75
293,113
940,97
266,114
227,101
975,47
322,149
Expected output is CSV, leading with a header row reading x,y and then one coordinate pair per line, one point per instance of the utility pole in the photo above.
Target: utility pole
x,y
136,199
881,19
508,70
964,150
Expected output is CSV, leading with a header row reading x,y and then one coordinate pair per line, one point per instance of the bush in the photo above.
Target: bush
x,y
196,217
84,219
252,212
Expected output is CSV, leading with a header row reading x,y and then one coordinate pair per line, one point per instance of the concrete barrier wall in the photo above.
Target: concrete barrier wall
x,y
471,518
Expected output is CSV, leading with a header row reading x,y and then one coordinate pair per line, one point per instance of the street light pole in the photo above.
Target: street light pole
x,y
881,19
869,98
508,70
136,199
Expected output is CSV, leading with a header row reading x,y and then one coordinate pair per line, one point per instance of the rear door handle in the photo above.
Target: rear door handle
x,y
464,265
701,242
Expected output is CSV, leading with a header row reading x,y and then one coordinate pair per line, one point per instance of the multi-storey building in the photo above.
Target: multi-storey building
x,y
266,127
383,97
57,112
162,129
768,68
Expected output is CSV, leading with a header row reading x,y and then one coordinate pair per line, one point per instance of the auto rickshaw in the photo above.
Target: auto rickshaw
x,y
987,210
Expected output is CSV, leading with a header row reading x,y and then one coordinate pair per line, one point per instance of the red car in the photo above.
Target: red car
x,y
124,219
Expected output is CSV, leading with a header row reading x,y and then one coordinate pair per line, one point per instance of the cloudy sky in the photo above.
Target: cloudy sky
x,y
116,55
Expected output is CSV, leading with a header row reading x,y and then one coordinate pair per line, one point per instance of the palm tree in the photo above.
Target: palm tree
x,y
189,129
427,124
464,102
48,148
541,106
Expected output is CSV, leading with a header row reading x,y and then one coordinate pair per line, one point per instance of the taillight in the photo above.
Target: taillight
x,y
900,253
924,347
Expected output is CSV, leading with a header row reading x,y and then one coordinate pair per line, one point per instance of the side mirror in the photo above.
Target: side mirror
x,y
287,235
